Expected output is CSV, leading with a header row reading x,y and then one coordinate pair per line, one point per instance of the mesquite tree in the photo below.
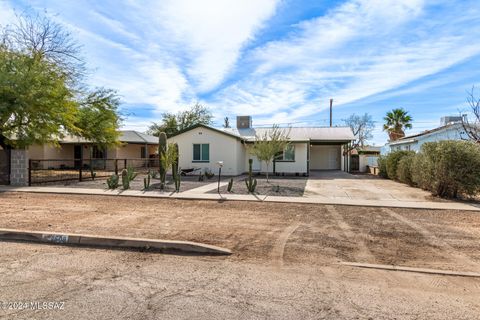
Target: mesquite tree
x,y
42,96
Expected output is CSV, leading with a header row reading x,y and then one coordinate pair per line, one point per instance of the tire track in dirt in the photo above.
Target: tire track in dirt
x,y
364,254
435,241
279,248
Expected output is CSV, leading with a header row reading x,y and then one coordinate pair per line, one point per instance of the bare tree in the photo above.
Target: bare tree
x,y
40,37
226,123
471,126
362,127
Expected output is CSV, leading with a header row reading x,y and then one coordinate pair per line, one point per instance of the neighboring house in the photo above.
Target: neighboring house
x,y
450,129
202,146
135,145
363,157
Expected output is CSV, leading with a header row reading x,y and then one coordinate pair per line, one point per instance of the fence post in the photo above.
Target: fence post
x,y
116,167
29,172
80,170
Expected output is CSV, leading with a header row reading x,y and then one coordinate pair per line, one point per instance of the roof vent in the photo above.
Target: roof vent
x,y
449,120
244,122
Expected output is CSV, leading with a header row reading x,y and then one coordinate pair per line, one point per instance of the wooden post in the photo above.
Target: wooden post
x,y
80,170
124,163
116,167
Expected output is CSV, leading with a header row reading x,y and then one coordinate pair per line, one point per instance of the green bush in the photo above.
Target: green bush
x,y
392,160
448,168
404,169
382,166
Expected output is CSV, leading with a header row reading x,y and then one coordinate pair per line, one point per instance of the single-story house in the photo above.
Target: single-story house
x,y
450,129
311,148
135,145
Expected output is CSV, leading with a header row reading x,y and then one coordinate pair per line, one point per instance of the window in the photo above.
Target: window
x,y
201,152
97,153
286,155
143,152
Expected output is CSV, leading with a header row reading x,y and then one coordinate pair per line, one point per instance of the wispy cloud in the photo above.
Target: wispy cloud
x,y
359,49
164,55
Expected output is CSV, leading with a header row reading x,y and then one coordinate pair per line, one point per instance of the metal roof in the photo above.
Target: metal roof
x,y
131,136
127,136
299,133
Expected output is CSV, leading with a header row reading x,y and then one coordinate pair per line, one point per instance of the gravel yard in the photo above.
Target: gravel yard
x,y
290,186
187,183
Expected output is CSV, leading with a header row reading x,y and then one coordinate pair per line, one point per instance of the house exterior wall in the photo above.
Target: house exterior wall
x,y
222,148
367,160
128,151
297,166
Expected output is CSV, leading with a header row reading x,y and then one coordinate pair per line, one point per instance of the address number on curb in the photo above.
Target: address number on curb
x,y
55,238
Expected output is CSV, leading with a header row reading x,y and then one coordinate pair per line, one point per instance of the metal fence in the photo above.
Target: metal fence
x,y
56,170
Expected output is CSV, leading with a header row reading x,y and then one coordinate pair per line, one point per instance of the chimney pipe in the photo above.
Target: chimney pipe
x,y
331,104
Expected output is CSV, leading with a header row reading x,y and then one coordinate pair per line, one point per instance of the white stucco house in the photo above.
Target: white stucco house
x,y
450,129
319,148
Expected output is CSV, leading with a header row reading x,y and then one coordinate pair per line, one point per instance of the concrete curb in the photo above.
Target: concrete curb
x,y
409,269
450,205
112,242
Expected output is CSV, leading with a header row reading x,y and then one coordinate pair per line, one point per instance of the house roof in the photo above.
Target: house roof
x,y
332,134
127,136
131,136
300,133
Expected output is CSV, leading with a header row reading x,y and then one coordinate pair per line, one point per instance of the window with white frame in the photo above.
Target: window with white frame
x,y
201,152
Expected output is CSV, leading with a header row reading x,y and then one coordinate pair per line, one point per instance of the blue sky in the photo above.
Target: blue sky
x,y
279,61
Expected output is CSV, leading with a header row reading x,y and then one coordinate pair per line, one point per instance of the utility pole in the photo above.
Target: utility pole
x,y
331,105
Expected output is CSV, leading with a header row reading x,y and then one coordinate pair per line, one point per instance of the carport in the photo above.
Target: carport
x,y
329,155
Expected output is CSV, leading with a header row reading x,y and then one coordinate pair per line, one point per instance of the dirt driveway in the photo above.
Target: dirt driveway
x,y
285,263
339,184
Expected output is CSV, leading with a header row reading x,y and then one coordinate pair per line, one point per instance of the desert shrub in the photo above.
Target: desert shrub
x,y
392,160
404,169
448,168
382,166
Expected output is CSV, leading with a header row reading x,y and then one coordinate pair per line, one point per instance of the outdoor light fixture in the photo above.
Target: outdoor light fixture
x,y
220,165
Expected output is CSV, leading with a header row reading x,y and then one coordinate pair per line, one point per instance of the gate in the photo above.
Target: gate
x,y
355,164
4,166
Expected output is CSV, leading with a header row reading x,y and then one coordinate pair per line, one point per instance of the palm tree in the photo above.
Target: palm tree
x,y
395,122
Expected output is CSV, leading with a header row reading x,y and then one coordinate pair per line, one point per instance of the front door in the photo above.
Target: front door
x,y
355,165
77,155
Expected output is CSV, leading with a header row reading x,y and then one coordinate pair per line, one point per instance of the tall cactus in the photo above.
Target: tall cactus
x,y
175,164
250,182
162,149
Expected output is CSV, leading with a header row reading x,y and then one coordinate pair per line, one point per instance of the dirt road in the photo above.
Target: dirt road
x,y
285,261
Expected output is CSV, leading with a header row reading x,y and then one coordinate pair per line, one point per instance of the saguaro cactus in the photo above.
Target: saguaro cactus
x,y
162,149
250,182
175,164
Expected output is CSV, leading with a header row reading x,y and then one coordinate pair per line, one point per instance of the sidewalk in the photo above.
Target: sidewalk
x,y
444,205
